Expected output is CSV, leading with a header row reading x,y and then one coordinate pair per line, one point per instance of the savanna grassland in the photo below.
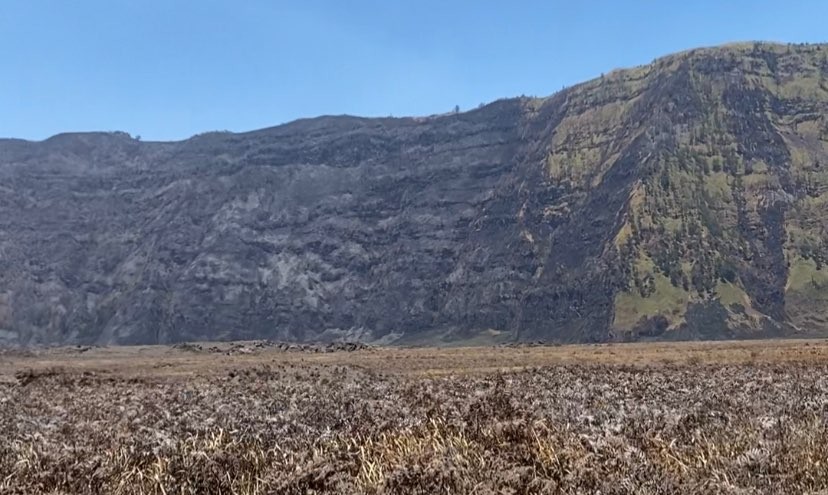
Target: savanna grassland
x,y
247,418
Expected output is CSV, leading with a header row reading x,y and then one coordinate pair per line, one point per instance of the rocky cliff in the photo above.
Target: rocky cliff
x,y
683,199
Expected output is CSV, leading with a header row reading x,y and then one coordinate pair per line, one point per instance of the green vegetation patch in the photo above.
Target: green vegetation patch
x,y
729,294
803,277
666,300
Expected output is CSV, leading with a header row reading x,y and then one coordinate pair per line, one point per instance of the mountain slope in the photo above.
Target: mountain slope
x,y
682,199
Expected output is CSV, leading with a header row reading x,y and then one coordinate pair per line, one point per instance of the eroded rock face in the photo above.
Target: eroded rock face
x,y
676,200
321,228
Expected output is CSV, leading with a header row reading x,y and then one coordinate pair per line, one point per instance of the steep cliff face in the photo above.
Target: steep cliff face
x,y
683,199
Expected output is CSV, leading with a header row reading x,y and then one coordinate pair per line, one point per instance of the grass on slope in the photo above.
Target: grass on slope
x,y
806,295
667,300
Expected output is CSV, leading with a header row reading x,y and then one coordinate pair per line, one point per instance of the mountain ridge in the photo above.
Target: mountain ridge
x,y
678,199
733,46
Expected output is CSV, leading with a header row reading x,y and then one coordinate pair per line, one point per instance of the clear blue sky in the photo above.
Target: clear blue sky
x,y
167,69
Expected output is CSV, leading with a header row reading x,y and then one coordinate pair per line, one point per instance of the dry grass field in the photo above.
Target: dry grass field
x,y
250,418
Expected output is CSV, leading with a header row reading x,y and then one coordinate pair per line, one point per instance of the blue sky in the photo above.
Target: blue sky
x,y
167,69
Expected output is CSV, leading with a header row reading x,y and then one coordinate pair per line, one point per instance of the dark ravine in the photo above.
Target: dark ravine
x,y
683,199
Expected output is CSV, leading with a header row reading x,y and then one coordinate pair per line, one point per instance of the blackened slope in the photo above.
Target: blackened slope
x,y
682,199
339,225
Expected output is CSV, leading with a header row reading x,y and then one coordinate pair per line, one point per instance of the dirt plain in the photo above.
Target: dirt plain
x,y
256,417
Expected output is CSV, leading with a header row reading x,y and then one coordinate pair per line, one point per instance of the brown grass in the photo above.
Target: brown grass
x,y
659,418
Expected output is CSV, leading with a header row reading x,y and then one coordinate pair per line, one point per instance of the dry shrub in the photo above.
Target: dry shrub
x,y
311,429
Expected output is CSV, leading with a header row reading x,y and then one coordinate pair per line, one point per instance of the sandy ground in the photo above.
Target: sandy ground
x,y
212,359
